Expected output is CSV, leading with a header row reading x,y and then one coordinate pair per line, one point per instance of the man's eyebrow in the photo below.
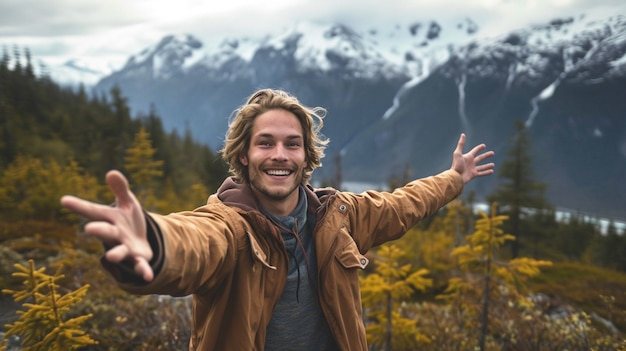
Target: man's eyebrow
x,y
269,135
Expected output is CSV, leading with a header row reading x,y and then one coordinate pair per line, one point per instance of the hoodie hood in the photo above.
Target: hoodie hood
x,y
239,195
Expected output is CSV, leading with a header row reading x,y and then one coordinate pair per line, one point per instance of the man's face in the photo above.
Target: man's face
x,y
276,160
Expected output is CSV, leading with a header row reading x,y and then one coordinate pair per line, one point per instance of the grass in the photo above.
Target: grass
x,y
592,289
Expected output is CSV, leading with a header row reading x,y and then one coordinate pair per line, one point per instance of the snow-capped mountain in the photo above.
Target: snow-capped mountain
x,y
73,73
400,97
398,50
339,65
173,54
566,81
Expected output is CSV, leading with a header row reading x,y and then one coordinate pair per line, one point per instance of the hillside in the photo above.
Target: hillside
x,y
46,128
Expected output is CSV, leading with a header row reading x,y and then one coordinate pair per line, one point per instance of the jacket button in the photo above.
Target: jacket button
x,y
363,261
256,252
342,208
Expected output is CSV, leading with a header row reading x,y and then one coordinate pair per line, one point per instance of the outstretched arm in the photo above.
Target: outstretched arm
x,y
121,228
469,164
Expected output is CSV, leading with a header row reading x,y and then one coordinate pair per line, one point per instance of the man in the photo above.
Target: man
x,y
272,263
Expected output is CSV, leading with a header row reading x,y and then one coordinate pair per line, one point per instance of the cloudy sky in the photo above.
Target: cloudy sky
x,y
108,32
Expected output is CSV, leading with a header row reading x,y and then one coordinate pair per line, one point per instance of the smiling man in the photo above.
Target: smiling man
x,y
271,262
275,160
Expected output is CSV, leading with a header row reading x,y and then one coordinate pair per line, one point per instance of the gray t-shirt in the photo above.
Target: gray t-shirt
x,y
298,322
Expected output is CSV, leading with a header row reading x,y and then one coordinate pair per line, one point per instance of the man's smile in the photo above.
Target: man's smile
x,y
278,172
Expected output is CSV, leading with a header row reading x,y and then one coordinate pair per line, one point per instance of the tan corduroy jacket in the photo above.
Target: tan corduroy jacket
x,y
232,259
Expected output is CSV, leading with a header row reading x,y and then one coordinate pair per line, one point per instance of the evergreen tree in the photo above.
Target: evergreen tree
x,y
142,167
383,292
610,249
29,70
43,324
574,237
486,277
117,126
519,192
159,140
430,247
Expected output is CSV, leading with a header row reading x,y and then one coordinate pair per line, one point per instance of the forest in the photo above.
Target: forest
x,y
513,277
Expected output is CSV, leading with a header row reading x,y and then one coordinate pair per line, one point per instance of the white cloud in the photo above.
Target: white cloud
x,y
112,30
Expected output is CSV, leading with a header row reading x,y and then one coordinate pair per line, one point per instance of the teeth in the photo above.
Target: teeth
x,y
278,172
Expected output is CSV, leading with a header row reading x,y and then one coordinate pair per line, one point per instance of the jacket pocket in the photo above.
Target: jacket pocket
x,y
350,257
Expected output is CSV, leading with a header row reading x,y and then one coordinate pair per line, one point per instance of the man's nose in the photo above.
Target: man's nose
x,y
280,152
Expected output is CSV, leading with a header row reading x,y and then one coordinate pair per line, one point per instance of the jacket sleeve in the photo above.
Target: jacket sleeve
x,y
193,252
378,217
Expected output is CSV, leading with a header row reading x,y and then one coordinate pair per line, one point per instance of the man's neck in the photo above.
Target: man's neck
x,y
279,208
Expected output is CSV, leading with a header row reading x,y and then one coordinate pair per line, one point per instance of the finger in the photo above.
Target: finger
x,y
120,188
486,166
88,209
484,156
461,143
117,254
104,231
142,267
477,149
485,169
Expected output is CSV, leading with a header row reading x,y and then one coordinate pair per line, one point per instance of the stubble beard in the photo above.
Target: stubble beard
x,y
277,195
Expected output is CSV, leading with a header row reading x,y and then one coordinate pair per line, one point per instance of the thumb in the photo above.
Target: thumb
x,y
119,186
461,143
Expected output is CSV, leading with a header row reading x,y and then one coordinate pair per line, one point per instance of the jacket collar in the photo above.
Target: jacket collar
x,y
239,195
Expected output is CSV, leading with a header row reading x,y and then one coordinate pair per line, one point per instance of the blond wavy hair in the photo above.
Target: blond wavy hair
x,y
239,131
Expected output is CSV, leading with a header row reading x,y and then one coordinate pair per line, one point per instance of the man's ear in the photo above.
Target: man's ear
x,y
243,159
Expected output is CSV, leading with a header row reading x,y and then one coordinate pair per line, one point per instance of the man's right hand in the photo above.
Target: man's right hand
x,y
122,228
469,165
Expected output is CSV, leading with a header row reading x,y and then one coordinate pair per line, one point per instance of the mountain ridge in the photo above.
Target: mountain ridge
x,y
405,105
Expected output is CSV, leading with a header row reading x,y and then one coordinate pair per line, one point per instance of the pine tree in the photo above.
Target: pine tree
x,y
143,168
116,127
43,325
429,247
519,191
484,273
160,141
610,249
383,292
